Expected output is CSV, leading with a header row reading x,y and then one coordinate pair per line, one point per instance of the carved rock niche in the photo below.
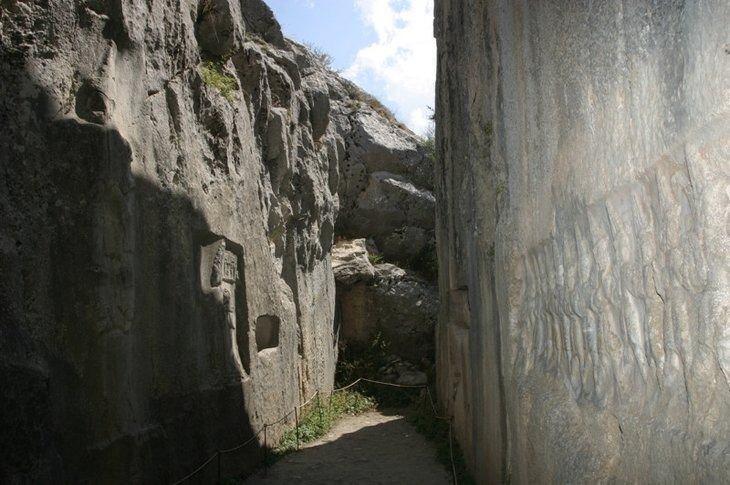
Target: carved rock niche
x,y
267,332
222,282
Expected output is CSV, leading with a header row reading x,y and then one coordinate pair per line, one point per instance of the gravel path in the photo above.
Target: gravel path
x,y
371,448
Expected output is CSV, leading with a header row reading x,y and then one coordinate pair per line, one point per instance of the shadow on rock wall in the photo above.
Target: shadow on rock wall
x,y
117,350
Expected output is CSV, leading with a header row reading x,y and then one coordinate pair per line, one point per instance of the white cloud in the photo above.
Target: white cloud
x,y
400,67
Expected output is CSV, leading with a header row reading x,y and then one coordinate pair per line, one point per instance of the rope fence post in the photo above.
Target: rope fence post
x,y
296,424
319,407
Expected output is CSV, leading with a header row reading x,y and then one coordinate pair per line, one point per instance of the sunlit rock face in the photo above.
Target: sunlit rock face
x,y
383,303
168,200
583,180
386,188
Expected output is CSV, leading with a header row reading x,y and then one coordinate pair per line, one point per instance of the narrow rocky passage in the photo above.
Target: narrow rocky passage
x,y
372,448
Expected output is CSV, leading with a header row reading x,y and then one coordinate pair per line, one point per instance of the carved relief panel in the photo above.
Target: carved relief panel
x,y
222,283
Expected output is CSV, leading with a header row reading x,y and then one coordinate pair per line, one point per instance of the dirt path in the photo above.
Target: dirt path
x,y
372,448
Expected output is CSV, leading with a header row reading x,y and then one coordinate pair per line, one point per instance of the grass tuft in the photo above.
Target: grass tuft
x,y
322,56
214,76
375,258
319,418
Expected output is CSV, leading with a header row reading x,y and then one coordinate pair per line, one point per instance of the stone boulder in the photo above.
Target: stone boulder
x,y
382,145
386,183
391,202
384,299
402,372
350,263
406,243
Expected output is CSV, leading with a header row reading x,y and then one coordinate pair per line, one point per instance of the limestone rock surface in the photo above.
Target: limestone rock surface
x,y
387,184
168,201
350,263
402,372
384,299
583,179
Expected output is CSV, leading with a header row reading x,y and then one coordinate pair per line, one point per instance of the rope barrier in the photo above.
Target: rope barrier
x,y
238,447
310,399
191,475
314,396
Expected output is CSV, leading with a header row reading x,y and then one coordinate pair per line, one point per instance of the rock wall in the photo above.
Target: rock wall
x,y
385,224
168,201
383,301
386,193
583,179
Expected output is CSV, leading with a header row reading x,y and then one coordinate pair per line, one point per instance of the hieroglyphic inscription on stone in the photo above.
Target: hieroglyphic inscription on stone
x,y
230,267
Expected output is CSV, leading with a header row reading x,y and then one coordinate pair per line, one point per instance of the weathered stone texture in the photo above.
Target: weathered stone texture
x,y
383,299
584,183
387,183
168,200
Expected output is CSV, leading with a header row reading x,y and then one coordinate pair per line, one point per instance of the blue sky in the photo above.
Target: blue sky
x,y
385,46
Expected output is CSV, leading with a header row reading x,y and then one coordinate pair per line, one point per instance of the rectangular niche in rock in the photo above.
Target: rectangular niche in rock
x,y
223,286
267,332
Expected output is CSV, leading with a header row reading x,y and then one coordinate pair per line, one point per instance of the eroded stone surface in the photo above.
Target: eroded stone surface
x,y
387,185
583,235
383,299
168,203
350,262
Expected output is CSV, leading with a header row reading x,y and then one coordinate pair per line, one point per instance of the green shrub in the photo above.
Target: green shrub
x,y
318,418
426,262
429,145
375,258
215,76
365,98
366,360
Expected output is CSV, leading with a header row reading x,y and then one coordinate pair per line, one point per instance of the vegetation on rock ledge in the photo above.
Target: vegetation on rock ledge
x,y
214,75
318,419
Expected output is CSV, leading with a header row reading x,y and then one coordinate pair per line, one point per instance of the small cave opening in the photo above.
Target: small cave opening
x,y
267,332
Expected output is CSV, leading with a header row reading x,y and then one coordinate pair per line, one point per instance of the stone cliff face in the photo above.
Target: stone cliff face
x,y
383,303
584,184
168,203
386,291
386,192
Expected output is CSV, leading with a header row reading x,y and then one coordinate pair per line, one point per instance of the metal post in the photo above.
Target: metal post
x,y
266,452
296,421
319,406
